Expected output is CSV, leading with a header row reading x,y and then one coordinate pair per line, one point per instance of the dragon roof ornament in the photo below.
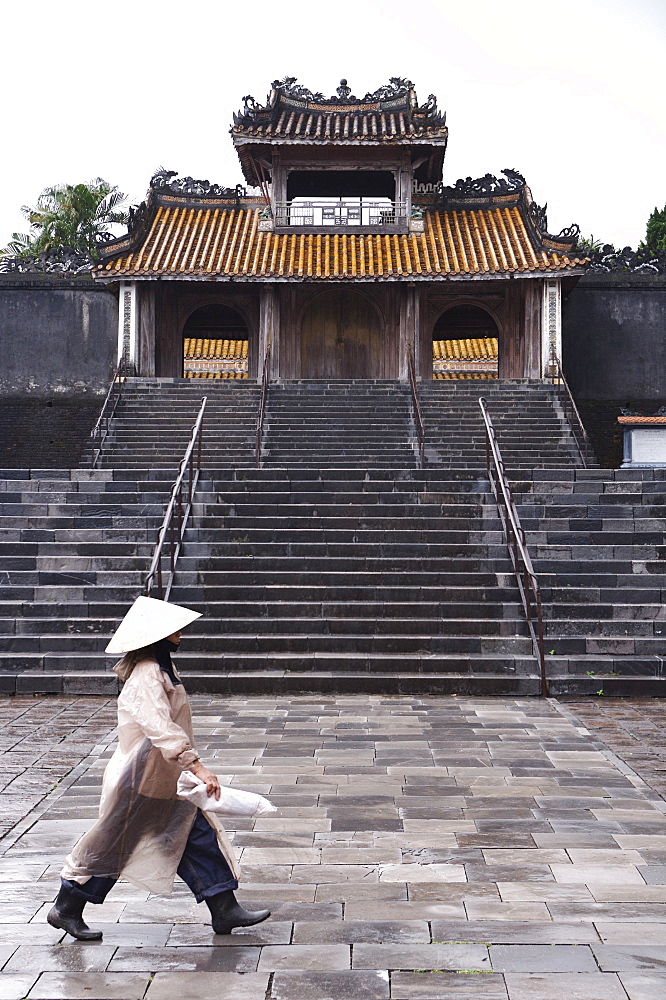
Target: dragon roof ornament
x,y
163,181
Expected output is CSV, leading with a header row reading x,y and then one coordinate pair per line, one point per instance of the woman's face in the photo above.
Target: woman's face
x,y
174,638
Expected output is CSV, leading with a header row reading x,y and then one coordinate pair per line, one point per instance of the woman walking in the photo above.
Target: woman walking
x,y
144,832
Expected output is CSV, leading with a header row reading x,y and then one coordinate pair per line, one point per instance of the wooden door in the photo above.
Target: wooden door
x,y
340,337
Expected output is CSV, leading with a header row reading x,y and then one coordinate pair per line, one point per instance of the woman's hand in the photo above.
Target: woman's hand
x,y
202,772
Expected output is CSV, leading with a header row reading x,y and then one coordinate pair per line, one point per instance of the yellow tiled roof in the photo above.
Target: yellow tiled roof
x,y
467,349
201,347
455,376
227,242
215,375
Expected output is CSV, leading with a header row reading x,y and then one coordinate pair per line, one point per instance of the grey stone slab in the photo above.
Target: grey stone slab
x,y
232,959
161,911
18,913
452,892
408,910
515,932
543,892
15,987
200,985
644,986
292,911
630,958
135,935
421,956
94,957
564,986
447,986
637,932
7,950
653,874
541,958
352,985
646,912
89,986
508,873
202,935
344,891
315,957
363,931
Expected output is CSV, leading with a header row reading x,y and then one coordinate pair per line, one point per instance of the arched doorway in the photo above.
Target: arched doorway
x,y
215,342
340,336
465,344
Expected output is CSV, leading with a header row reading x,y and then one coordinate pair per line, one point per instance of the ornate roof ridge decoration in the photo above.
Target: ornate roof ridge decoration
x,y
607,259
162,182
64,260
488,185
396,95
566,239
511,189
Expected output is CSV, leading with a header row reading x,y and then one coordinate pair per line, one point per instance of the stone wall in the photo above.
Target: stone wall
x,y
58,336
614,337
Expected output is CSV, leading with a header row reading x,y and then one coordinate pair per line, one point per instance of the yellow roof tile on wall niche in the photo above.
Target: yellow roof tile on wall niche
x,y
202,347
467,349
227,243
233,375
454,376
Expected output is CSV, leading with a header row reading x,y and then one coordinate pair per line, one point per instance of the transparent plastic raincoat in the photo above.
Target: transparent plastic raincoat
x,y
142,827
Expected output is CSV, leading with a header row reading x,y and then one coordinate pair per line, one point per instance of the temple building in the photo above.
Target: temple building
x,y
345,252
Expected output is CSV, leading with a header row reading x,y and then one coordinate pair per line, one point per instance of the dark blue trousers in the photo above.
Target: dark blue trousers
x,y
202,867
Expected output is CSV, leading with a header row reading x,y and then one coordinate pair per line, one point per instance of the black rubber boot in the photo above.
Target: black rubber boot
x,y
67,915
227,913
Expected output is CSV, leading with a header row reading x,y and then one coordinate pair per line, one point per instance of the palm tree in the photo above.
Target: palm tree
x,y
72,216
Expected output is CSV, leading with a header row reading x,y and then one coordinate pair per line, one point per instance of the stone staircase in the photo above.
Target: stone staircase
x,y
527,416
339,566
351,580
597,541
154,419
75,546
339,424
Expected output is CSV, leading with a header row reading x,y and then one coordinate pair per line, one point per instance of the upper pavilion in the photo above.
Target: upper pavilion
x,y
347,193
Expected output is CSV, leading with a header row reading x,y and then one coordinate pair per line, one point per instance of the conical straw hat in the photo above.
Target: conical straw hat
x,y
148,621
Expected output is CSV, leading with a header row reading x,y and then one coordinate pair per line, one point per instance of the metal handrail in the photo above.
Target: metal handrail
x,y
528,584
262,409
101,428
583,444
177,513
418,416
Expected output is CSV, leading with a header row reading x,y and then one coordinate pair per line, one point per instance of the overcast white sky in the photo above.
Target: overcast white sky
x,y
570,93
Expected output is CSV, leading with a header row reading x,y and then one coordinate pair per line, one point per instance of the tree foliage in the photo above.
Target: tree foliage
x,y
655,236
70,216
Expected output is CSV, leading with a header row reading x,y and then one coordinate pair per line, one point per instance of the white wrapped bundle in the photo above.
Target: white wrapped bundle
x,y
232,801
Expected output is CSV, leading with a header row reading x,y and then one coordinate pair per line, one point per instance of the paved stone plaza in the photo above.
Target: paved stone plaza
x,y
424,849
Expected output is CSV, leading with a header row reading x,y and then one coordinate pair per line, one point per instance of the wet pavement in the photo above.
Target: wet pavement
x,y
424,849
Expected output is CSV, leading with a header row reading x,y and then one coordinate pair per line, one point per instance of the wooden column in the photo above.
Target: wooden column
x,y
269,330
146,347
409,331
533,300
168,343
